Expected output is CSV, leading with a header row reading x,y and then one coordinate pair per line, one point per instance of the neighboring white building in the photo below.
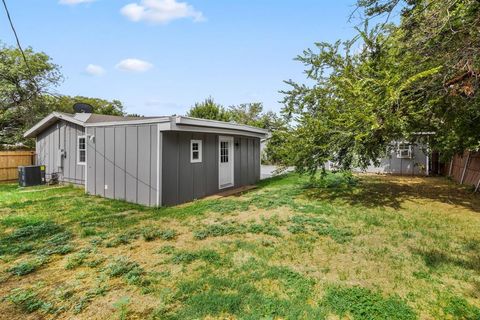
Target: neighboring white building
x,y
402,159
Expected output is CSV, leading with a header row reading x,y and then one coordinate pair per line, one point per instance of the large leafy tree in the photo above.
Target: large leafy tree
x,y
444,34
22,89
100,106
27,94
252,114
387,83
209,109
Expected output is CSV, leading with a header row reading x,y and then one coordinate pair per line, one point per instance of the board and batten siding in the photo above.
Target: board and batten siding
x,y
61,135
122,163
183,181
391,164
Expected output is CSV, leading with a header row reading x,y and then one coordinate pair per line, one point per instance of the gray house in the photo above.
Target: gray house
x,y
153,161
403,158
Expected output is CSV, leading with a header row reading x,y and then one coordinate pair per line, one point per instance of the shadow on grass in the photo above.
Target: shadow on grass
x,y
435,258
392,191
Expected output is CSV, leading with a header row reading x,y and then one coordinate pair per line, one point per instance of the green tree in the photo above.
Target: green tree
x,y
100,106
252,114
22,90
209,109
26,94
387,83
442,34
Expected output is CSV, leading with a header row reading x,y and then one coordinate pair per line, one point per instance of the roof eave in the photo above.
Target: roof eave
x,y
188,121
48,121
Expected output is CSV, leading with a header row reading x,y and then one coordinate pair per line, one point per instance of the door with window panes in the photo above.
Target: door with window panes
x,y
225,162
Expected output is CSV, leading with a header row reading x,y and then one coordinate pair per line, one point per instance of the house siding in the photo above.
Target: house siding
x,y
122,163
61,135
184,181
391,164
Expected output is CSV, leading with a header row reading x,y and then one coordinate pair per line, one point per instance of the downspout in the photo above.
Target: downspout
x,y
451,167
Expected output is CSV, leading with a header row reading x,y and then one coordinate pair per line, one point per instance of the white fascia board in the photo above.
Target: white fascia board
x,y
220,125
49,120
128,122
227,132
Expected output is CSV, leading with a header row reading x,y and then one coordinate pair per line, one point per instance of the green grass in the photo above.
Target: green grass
x,y
339,247
28,301
363,304
29,266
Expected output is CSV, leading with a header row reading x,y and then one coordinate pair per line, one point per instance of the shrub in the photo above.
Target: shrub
x,y
334,180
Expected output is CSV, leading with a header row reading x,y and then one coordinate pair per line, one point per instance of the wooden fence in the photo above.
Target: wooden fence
x,y
465,168
11,160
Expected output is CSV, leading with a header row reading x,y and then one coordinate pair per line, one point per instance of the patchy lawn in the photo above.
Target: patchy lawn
x,y
383,248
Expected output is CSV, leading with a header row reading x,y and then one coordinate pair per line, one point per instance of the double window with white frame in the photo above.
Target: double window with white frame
x,y
195,151
81,150
404,151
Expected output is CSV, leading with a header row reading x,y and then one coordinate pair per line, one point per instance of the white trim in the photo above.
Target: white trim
x,y
175,123
49,120
159,166
127,122
231,155
175,127
402,148
78,150
85,172
217,124
200,151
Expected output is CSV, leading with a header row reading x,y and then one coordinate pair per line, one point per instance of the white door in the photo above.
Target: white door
x,y
225,162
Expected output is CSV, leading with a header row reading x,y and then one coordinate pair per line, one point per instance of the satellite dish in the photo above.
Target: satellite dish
x,y
81,107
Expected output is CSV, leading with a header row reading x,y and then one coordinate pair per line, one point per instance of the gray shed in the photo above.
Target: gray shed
x,y
153,161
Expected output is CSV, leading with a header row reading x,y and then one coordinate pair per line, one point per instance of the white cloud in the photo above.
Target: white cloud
x,y
134,65
94,70
160,11
74,2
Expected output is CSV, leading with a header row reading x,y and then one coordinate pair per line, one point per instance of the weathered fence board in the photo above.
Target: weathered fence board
x,y
11,160
466,168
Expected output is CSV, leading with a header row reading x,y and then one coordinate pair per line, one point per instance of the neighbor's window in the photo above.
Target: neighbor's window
x,y
82,150
195,151
404,151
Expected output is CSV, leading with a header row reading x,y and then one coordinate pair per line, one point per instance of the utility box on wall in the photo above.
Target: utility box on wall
x,y
31,176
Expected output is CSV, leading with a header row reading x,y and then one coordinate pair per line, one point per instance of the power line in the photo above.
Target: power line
x,y
18,43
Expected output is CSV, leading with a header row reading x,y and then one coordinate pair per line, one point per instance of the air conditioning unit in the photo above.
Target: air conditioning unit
x,y
404,151
31,176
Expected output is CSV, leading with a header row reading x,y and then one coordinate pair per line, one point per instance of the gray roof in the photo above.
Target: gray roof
x,y
174,123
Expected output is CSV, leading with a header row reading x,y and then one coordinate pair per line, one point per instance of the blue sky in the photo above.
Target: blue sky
x,y
161,56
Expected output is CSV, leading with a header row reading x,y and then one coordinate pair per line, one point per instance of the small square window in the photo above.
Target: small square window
x,y
195,151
